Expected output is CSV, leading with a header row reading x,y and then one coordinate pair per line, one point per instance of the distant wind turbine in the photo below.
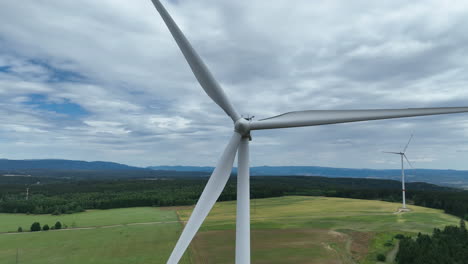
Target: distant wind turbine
x,y
239,143
403,155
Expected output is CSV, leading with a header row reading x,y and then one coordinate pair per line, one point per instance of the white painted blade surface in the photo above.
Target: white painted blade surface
x,y
199,69
389,152
409,141
407,160
324,117
212,191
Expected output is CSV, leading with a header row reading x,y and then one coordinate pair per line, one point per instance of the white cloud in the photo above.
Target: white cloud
x,y
394,49
117,60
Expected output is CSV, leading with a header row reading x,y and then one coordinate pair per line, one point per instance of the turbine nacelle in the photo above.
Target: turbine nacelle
x,y
242,126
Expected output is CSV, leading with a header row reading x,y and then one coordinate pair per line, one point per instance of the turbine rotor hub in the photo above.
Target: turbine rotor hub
x,y
242,126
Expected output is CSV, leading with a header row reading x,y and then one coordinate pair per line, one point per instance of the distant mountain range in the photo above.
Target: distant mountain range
x,y
70,168
60,164
441,177
183,168
77,169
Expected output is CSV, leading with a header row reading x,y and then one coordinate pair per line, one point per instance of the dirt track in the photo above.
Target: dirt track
x,y
92,227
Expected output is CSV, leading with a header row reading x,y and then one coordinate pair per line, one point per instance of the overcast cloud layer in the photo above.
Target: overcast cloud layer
x,y
104,80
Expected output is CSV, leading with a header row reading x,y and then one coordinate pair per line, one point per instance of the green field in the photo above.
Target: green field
x,y
11,222
284,230
115,240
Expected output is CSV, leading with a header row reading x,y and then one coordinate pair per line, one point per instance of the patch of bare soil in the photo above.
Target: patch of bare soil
x,y
360,244
274,246
176,208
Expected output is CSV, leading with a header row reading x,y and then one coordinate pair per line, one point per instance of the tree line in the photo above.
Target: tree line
x,y
36,226
447,246
68,196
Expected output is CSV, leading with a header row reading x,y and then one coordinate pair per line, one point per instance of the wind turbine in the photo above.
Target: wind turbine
x,y
239,143
403,155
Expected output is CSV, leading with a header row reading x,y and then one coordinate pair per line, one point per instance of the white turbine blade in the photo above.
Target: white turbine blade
x,y
407,160
212,191
323,117
199,69
389,152
404,150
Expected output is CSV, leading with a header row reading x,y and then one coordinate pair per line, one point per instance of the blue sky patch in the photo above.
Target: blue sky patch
x,y
68,108
4,68
59,75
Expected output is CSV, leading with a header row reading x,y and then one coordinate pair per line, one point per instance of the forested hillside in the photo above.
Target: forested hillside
x,y
59,196
110,170
456,178
447,246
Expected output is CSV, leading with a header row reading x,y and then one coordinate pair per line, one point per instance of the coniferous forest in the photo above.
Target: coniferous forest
x,y
59,196
447,246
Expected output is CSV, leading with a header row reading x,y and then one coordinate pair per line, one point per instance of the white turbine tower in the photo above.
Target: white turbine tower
x,y
403,156
239,142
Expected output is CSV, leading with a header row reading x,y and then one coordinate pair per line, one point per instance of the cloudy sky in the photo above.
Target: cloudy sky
x,y
104,80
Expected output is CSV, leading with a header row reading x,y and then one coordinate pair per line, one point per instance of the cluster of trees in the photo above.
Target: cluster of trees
x,y
75,196
447,246
41,205
36,226
455,203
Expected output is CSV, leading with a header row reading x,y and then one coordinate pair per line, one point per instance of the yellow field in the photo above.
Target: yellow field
x,y
311,229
